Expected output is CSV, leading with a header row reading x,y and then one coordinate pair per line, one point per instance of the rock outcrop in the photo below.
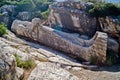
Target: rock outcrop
x,y
73,16
111,25
79,48
25,16
7,66
7,13
43,56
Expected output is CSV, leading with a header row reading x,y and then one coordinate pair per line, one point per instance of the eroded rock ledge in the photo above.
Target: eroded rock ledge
x,y
79,48
73,16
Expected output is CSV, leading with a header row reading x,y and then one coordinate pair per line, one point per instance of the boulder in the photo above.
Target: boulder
x,y
25,16
8,8
73,16
4,17
8,13
72,45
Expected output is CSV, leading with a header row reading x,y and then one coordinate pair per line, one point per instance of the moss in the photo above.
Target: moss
x,y
25,64
3,29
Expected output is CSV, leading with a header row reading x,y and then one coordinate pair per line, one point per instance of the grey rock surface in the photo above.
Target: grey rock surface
x,y
49,71
7,14
73,16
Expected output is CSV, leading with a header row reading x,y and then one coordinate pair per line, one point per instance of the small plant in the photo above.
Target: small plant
x,y
3,29
111,58
1,14
24,64
45,14
93,59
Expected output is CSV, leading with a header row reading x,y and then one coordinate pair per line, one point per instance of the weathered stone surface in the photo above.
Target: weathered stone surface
x,y
4,17
19,72
8,8
7,13
110,25
49,71
7,66
73,16
79,48
25,16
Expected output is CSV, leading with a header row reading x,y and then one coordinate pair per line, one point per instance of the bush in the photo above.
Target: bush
x,y
105,9
24,64
3,29
29,5
94,59
45,14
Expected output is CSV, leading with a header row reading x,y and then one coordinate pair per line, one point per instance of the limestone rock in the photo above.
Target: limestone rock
x,y
25,16
19,72
110,25
7,66
4,17
7,14
73,45
49,71
73,16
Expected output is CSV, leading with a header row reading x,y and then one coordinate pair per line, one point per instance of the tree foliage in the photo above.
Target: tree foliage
x,y
29,5
105,9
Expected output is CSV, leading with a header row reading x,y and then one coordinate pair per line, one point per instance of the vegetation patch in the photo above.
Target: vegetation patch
x,y
111,57
94,59
45,14
104,9
28,64
3,29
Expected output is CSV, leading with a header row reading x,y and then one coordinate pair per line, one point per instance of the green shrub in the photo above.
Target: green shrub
x,y
105,9
24,64
45,14
94,59
3,29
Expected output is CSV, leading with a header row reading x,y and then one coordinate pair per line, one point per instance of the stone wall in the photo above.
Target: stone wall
x,y
72,45
73,16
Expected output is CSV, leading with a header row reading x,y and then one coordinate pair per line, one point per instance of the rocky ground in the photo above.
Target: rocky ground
x,y
52,65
